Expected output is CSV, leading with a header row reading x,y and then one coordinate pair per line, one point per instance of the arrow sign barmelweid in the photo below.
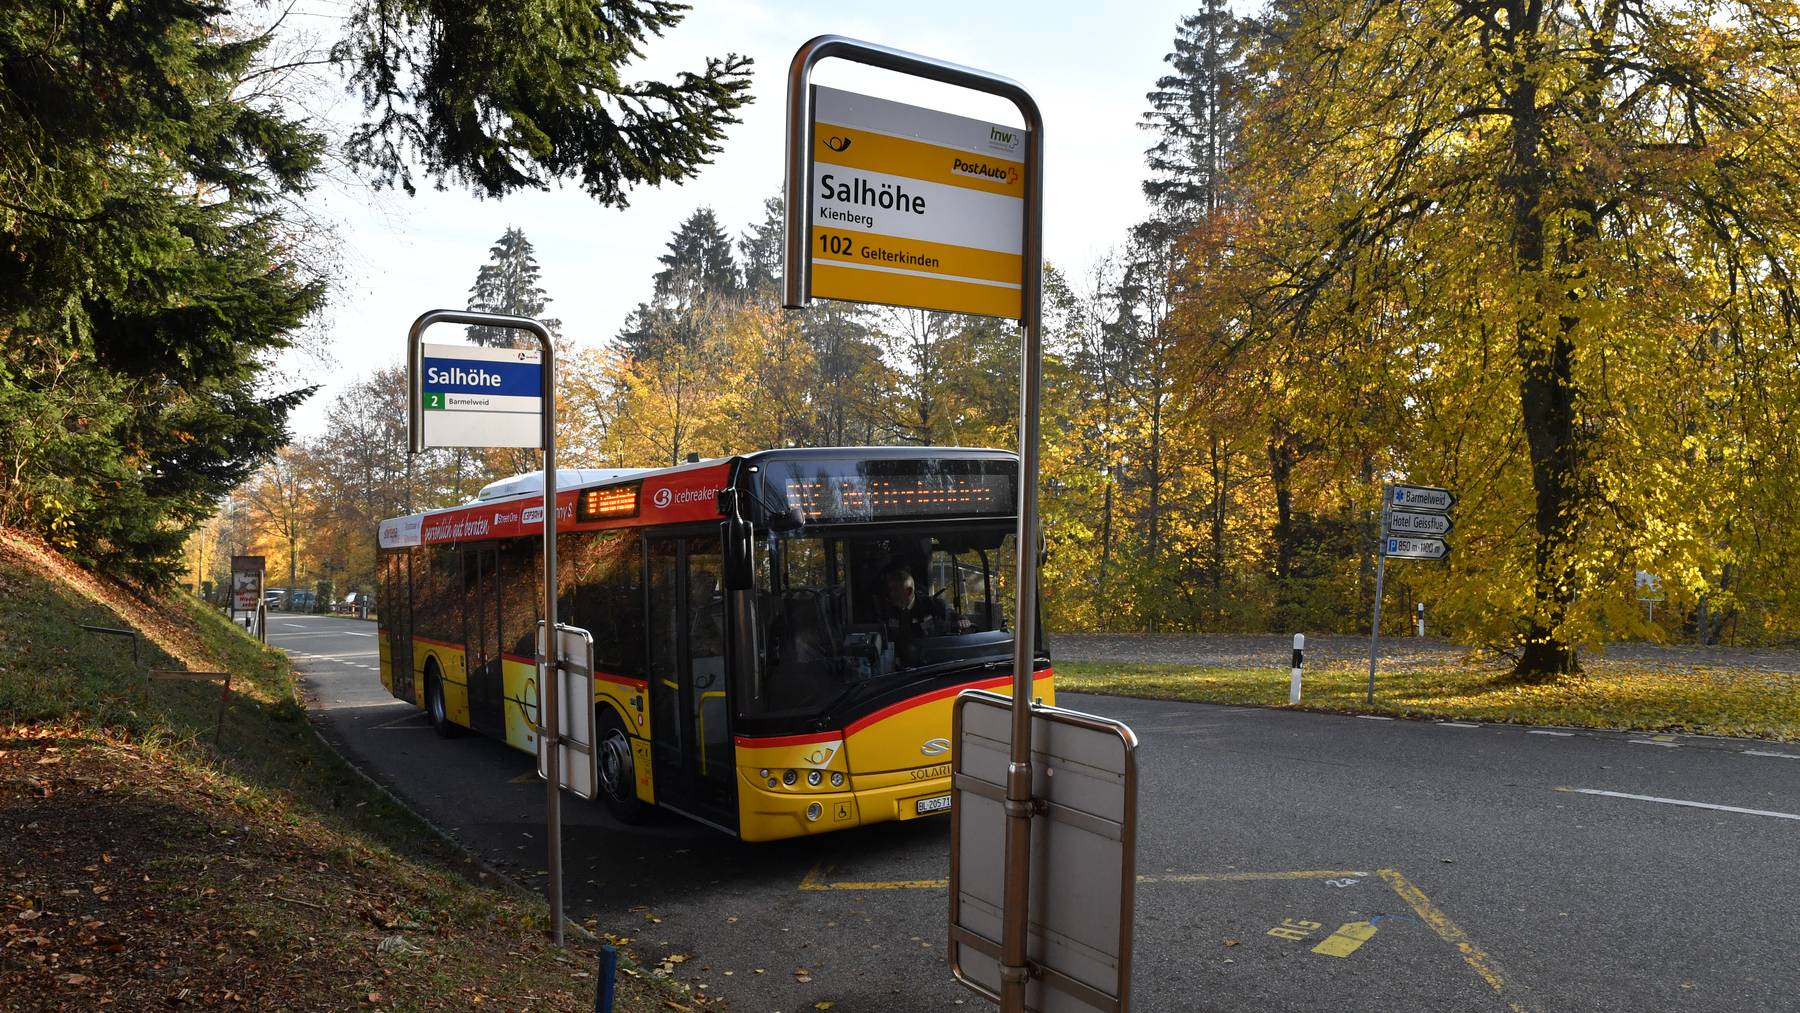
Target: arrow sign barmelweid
x,y
1422,498
1417,548
1401,522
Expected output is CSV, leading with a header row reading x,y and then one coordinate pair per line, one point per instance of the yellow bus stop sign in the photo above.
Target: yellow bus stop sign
x,y
915,207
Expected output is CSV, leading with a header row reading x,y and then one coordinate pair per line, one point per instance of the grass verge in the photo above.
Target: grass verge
x,y
1734,702
141,865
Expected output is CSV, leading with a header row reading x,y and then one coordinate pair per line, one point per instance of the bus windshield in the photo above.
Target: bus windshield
x,y
844,614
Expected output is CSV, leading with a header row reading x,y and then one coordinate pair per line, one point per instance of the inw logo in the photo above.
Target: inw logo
x,y
1006,137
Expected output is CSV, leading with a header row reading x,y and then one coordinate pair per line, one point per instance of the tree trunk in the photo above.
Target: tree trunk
x,y
1546,385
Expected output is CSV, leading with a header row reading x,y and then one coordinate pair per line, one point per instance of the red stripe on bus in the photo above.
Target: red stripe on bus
x,y
886,712
440,643
788,740
919,701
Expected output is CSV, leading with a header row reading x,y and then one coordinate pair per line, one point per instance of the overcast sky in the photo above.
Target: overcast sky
x,y
1088,65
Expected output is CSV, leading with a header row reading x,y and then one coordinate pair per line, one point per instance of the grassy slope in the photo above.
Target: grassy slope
x,y
139,864
1702,701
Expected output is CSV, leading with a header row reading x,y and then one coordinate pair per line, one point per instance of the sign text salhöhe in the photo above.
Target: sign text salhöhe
x,y
915,207
481,397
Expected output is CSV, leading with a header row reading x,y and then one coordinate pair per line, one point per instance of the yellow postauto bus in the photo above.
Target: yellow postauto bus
x,y
778,636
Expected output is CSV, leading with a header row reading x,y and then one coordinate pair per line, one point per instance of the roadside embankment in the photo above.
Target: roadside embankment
x,y
142,865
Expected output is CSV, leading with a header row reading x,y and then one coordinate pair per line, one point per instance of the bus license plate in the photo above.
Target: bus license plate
x,y
935,804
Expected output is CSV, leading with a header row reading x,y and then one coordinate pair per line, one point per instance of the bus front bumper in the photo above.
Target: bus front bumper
x,y
771,815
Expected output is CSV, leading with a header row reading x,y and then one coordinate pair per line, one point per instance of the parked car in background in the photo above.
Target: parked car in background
x,y
299,600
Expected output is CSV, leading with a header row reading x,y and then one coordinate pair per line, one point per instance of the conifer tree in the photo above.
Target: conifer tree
x,y
508,284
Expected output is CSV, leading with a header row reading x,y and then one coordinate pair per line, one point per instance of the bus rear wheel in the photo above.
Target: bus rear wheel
x,y
618,769
434,706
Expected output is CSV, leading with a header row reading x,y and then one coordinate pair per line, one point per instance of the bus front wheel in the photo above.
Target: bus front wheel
x,y
618,770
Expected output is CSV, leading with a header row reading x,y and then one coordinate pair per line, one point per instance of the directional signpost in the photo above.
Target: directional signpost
x,y
1414,521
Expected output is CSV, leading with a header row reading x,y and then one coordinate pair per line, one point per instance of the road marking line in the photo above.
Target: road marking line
x,y
1346,940
1760,752
1251,877
399,723
1374,717
815,880
1653,742
297,626
1448,931
346,633
1546,731
1684,802
1458,724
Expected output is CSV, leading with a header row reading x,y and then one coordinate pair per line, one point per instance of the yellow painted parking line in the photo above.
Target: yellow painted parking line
x,y
1346,940
815,880
1449,932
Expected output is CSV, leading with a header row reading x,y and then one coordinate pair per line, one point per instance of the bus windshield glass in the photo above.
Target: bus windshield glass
x,y
844,615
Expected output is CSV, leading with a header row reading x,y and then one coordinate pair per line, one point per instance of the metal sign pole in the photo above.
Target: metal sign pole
x,y
797,288
1380,575
551,737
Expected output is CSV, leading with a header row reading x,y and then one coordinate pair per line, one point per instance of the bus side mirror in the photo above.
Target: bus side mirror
x,y
740,568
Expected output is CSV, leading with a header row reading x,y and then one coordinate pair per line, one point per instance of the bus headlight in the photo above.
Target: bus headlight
x,y
788,778
814,778
813,811
837,779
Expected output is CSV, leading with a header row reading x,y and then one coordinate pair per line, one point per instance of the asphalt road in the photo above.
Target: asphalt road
x,y
1496,874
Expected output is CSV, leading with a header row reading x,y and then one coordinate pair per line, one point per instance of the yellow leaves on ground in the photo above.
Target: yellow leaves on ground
x,y
1711,701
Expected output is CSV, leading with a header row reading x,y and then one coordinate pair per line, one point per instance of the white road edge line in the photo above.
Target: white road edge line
x,y
1458,724
1374,717
1763,752
1683,802
1546,731
1653,742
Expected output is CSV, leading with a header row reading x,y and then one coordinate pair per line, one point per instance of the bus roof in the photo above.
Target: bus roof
x,y
682,493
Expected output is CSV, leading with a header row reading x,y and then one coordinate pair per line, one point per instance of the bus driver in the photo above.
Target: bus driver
x,y
910,616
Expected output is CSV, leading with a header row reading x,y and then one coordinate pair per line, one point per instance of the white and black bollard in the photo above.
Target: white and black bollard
x,y
1294,672
1419,617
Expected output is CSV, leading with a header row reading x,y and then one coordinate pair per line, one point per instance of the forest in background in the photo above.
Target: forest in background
x,y
1541,253
1347,280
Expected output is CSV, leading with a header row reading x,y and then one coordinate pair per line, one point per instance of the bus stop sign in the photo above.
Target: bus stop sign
x,y
1084,787
471,396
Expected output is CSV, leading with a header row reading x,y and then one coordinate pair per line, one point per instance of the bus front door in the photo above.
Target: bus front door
x,y
396,615
693,763
481,631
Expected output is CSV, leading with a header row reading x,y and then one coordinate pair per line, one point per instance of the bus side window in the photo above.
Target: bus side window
x,y
521,596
